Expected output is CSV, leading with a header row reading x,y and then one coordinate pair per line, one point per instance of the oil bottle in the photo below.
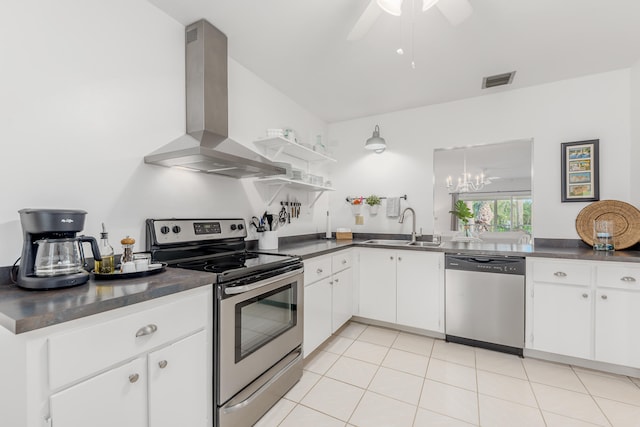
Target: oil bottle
x,y
107,265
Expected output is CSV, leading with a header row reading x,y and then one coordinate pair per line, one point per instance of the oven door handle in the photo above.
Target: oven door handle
x,y
246,402
234,290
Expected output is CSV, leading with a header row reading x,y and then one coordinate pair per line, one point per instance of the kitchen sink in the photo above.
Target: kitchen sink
x,y
387,242
422,244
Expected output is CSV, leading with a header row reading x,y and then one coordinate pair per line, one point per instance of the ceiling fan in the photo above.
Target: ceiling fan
x,y
455,11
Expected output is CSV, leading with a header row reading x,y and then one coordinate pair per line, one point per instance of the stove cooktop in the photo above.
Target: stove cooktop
x,y
242,260
212,245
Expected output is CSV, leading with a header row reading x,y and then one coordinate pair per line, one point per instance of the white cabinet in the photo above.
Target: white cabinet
x,y
562,319
167,376
116,398
405,287
377,296
175,375
147,364
317,314
328,297
584,309
617,304
341,299
420,290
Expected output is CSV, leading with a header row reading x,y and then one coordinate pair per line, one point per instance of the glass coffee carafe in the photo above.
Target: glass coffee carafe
x,y
55,257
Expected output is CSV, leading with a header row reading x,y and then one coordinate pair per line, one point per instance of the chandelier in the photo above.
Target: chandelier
x,y
465,184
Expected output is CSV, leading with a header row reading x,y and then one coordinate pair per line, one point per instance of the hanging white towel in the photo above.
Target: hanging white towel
x,y
393,206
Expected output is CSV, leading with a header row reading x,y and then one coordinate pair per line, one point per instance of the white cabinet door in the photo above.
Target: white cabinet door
x,y
562,319
617,319
317,314
378,284
342,298
115,398
178,383
420,289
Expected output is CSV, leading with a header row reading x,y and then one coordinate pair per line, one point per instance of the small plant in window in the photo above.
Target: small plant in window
x,y
464,214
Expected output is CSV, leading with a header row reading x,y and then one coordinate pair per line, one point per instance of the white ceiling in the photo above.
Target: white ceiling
x,y
300,47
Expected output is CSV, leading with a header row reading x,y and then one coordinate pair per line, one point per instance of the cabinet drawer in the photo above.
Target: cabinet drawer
x,y
341,261
562,272
316,269
617,276
81,352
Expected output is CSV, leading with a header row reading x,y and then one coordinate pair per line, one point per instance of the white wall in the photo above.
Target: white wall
x,y
88,88
635,135
595,106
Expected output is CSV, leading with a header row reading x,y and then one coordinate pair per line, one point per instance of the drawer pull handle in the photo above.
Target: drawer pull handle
x,y
146,330
336,280
585,295
134,378
399,258
560,274
628,279
391,258
319,271
344,261
603,296
162,364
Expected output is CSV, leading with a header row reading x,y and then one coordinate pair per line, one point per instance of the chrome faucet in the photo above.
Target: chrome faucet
x,y
413,223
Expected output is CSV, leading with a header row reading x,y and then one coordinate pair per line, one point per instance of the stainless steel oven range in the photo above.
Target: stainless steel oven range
x,y
258,312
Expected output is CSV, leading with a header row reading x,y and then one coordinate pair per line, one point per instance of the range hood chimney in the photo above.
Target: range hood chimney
x,y
206,146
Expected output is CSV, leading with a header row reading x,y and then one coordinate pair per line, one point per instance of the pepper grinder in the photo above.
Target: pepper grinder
x,y
126,261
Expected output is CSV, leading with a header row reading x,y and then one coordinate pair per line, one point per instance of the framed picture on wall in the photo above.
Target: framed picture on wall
x,y
580,171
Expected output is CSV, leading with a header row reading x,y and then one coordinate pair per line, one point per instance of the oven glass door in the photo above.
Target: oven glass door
x,y
263,318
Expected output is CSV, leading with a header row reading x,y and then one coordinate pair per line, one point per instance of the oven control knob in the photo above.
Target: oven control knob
x,y
176,228
233,226
164,229
240,226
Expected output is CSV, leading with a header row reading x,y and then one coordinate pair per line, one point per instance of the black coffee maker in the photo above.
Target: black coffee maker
x,y
52,255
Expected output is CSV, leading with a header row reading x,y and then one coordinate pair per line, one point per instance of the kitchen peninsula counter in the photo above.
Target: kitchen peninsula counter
x,y
27,310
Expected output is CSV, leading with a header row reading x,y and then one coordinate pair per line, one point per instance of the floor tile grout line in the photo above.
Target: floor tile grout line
x,y
287,414
577,419
367,389
535,396
591,395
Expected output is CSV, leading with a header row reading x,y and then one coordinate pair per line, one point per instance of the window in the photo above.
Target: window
x,y
496,212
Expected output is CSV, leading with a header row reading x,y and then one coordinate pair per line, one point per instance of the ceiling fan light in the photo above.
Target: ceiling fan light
x,y
428,4
376,143
392,7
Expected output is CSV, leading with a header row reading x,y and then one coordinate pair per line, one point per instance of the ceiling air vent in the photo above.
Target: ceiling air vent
x,y
498,80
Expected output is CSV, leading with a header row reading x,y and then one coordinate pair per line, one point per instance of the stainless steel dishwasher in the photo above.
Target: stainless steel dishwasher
x,y
485,301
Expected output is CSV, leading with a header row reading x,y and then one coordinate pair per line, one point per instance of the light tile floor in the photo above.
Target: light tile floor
x,y
371,376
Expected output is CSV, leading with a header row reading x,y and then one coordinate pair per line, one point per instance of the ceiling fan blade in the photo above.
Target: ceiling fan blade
x,y
456,11
366,20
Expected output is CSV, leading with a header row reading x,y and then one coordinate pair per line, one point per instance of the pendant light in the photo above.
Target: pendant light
x,y
376,143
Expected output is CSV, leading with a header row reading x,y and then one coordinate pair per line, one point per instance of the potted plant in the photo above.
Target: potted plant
x,y
464,214
373,202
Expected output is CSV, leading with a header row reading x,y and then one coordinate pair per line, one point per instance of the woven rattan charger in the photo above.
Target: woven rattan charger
x,y
625,217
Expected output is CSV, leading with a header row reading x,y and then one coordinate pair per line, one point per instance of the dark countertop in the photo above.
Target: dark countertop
x,y
23,311
316,247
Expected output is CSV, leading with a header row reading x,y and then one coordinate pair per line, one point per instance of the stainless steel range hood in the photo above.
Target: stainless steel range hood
x,y
206,146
